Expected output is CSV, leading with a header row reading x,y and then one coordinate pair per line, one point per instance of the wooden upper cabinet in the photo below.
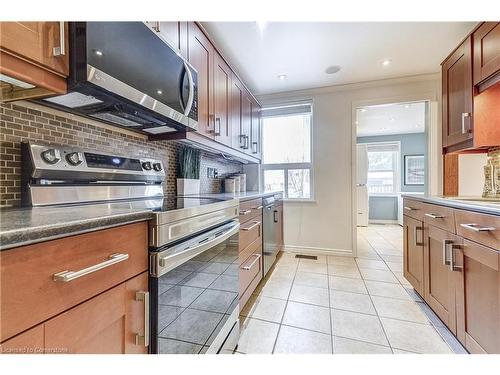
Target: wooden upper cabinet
x,y
478,298
35,53
413,253
457,103
174,33
439,279
255,137
236,113
222,100
486,41
201,56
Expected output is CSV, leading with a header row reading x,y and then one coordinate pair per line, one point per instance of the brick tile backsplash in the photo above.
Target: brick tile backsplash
x,y
24,121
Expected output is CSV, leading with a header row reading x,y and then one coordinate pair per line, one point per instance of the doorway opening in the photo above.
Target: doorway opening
x,y
391,159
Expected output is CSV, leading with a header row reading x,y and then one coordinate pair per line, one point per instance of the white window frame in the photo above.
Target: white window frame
x,y
397,174
281,111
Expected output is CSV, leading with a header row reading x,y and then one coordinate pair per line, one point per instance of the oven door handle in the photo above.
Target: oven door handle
x,y
169,262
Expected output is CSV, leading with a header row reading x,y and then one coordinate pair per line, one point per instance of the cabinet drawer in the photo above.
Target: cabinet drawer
x,y
413,208
484,229
251,267
439,216
250,209
250,232
29,292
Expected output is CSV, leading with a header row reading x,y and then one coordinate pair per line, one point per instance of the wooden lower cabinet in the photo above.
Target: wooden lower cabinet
x,y
278,218
439,279
28,342
413,253
478,297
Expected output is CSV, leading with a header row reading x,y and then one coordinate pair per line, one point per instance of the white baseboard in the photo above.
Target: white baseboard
x,y
316,250
377,221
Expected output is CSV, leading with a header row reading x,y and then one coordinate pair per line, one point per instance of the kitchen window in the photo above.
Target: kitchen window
x,y
287,150
383,168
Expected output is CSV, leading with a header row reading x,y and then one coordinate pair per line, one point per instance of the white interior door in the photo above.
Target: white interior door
x,y
361,188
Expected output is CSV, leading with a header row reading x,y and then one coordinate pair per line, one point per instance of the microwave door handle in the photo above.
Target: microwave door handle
x,y
189,104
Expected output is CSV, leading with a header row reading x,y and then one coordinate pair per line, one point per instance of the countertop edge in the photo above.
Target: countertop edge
x,y
18,238
459,204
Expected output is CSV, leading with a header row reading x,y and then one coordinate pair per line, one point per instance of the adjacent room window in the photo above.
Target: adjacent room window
x,y
383,168
287,150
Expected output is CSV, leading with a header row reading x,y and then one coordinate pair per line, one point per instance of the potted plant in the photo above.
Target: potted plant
x,y
188,171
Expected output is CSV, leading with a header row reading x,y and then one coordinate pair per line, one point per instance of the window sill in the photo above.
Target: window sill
x,y
388,195
299,200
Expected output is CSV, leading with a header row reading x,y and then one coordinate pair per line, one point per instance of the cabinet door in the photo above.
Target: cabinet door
x,y
28,342
174,33
278,218
439,284
457,96
413,253
236,113
478,297
486,41
246,121
255,145
38,42
104,324
201,56
222,100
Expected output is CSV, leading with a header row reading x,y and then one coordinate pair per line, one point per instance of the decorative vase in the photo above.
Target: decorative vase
x,y
188,186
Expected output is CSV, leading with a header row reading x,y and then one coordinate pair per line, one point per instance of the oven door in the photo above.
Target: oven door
x,y
194,288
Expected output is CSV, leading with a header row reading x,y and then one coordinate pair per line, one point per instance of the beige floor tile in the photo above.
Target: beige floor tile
x,y
371,264
275,288
312,267
399,351
282,273
399,309
378,275
340,260
341,345
351,301
347,284
299,341
311,279
358,326
382,289
265,308
368,254
315,318
393,258
388,251
257,337
401,279
414,337
395,266
344,271
309,294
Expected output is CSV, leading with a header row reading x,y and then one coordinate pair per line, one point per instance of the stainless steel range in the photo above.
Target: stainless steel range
x,y
193,242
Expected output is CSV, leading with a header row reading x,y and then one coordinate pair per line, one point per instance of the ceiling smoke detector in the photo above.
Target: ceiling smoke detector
x,y
332,69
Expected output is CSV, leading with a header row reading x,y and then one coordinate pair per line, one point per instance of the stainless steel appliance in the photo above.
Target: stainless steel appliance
x,y
125,74
270,233
193,253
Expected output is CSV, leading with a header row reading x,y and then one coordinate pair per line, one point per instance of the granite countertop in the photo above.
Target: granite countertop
x,y
476,204
23,226
243,196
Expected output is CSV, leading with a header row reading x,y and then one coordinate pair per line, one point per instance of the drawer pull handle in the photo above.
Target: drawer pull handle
x,y
453,265
477,228
66,276
410,208
255,224
250,266
446,244
143,339
245,212
417,229
257,208
434,216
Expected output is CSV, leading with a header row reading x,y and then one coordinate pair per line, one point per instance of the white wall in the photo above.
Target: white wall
x,y
327,222
471,174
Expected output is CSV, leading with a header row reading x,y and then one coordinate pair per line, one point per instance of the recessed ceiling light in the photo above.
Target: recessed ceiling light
x,y
407,106
362,109
386,62
393,119
97,52
159,92
282,77
332,69
261,25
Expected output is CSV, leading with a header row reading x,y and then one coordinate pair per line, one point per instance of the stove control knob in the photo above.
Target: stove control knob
x,y
147,165
51,156
157,167
74,158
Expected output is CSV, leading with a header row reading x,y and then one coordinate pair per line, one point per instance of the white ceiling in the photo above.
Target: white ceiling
x,y
399,118
303,50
